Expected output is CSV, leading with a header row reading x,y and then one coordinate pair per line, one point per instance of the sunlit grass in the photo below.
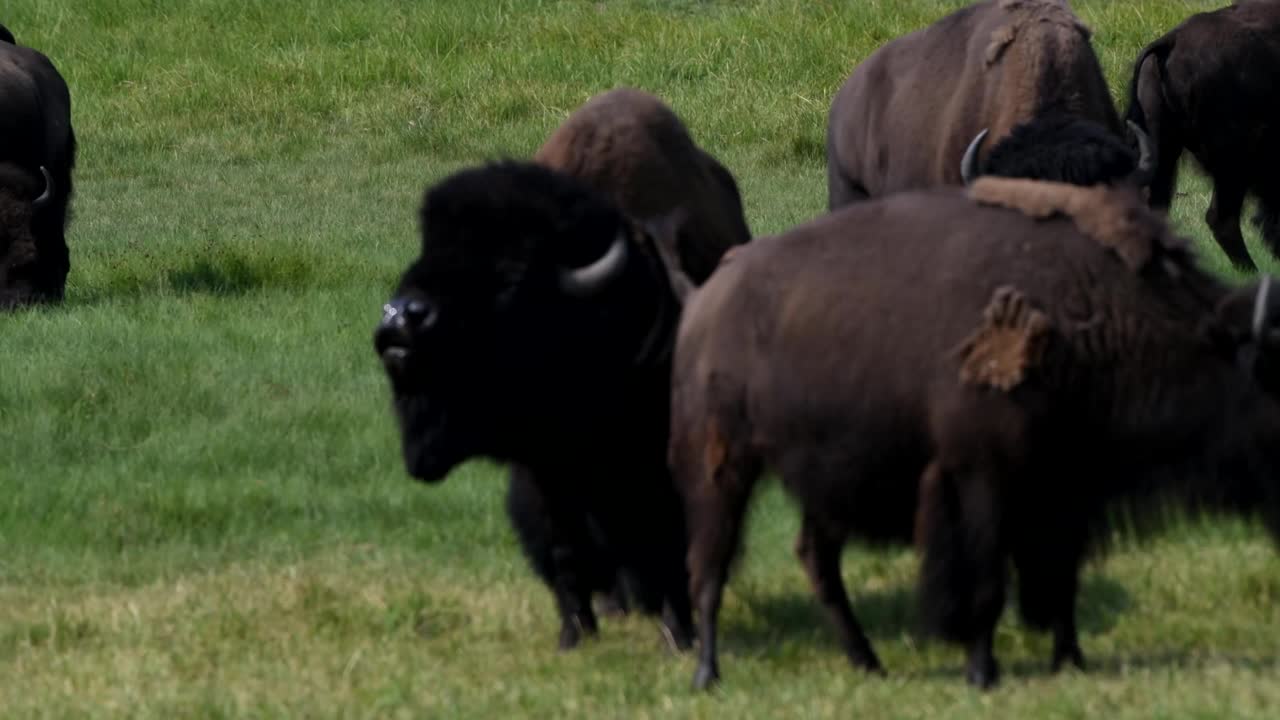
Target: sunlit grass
x,y
202,507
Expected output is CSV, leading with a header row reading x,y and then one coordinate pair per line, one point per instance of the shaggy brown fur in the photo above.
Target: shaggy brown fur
x,y
907,113
828,353
1118,219
1009,343
632,147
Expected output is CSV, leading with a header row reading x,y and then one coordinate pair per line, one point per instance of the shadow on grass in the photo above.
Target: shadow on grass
x,y
891,613
224,272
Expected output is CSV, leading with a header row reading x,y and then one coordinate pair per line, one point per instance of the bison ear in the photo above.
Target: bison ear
x,y
666,232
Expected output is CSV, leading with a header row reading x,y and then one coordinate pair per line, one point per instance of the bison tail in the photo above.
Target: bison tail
x,y
1158,50
7,36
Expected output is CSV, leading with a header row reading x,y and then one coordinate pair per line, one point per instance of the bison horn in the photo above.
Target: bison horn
x,y
1146,157
591,279
1260,307
48,190
969,163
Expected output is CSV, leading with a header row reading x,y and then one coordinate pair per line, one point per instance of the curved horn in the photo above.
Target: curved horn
x,y
591,279
1146,156
47,195
1260,307
969,163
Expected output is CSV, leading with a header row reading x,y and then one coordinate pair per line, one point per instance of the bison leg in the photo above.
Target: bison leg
x,y
1223,218
963,572
556,540
1270,221
714,538
820,553
1048,582
716,511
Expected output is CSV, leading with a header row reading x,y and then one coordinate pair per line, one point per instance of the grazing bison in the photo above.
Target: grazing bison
x,y
536,327
1208,86
972,94
37,154
1070,357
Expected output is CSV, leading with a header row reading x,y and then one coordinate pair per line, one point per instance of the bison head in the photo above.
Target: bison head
x,y
515,327
1246,327
1062,148
23,195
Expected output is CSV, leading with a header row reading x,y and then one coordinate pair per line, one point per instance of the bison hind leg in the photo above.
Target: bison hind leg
x,y
962,573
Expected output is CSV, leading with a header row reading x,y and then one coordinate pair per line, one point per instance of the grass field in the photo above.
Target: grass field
x,y
202,507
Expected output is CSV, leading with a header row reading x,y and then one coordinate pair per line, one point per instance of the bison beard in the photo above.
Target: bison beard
x,y
963,410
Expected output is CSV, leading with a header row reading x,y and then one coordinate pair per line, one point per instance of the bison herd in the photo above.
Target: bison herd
x,y
990,340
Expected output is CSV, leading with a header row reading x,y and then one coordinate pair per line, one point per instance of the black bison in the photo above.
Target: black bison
x,y
37,155
1003,87
977,372
1208,86
536,328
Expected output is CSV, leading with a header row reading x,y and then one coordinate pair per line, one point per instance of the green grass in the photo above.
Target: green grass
x,y
202,507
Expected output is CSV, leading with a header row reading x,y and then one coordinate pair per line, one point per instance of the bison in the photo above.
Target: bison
x,y
37,155
1002,87
1207,86
536,328
981,373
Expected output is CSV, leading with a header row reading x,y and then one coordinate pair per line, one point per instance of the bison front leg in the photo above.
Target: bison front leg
x,y
820,553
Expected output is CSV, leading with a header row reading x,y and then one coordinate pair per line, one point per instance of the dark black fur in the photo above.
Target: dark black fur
x,y
1207,86
511,367
6,36
1063,148
35,131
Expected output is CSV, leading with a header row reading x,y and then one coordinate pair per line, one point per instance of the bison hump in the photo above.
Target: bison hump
x,y
1115,218
1007,345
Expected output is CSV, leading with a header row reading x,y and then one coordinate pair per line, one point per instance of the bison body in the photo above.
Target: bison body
x,y
907,115
1208,86
550,292
37,156
924,368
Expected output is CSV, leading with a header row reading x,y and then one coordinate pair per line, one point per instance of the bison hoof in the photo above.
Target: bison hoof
x,y
871,666
1071,655
705,677
984,675
569,636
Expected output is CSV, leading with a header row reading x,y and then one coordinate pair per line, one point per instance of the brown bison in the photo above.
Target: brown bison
x,y
37,155
1208,86
1003,87
536,328
981,373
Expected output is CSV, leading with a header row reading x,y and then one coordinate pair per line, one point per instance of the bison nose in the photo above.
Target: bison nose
x,y
403,320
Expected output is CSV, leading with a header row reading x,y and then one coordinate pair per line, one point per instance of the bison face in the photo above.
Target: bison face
x,y
513,323
20,200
